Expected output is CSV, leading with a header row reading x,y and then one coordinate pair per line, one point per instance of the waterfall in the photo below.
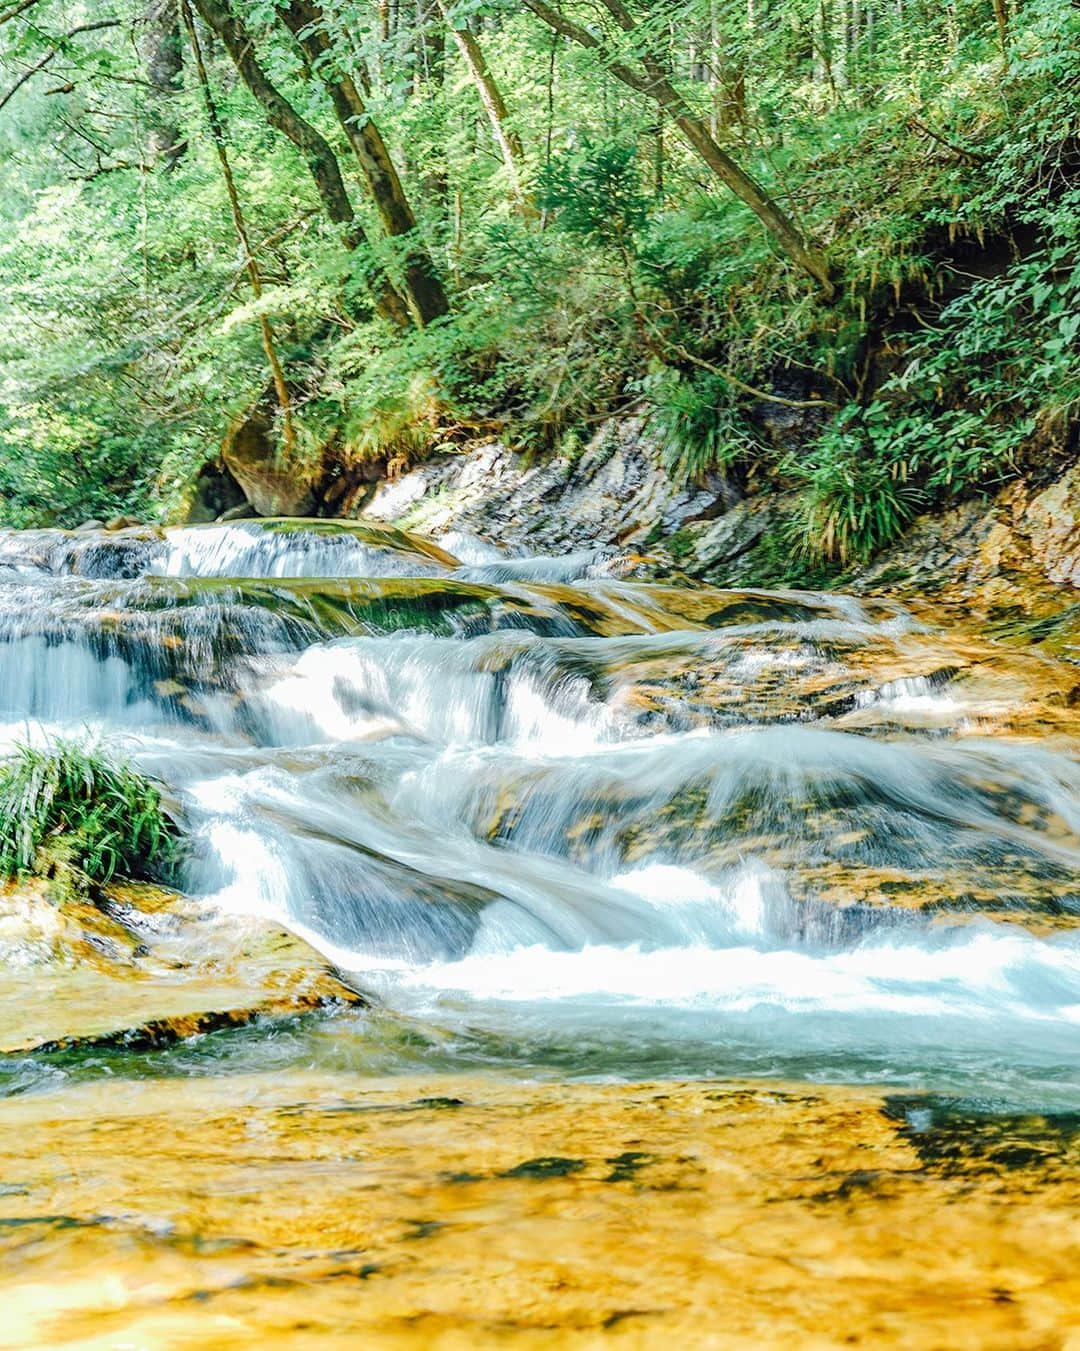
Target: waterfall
x,y
582,820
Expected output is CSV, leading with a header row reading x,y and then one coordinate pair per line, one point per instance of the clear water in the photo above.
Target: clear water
x,y
568,825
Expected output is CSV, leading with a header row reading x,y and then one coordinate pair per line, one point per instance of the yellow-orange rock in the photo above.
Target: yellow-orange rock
x,y
308,1211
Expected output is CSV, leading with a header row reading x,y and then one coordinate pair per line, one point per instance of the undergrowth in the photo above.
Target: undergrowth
x,y
75,810
937,166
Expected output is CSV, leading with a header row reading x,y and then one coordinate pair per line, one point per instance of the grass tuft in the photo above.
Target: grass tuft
x,y
72,808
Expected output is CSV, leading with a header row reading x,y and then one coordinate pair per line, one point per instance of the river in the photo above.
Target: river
x,y
576,827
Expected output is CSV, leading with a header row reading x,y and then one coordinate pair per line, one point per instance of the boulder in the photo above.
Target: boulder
x,y
214,493
250,454
140,967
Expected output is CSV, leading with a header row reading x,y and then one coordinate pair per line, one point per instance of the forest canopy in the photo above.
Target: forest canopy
x,y
832,245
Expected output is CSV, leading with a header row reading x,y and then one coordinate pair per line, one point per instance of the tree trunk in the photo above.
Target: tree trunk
x,y
1001,17
217,133
655,84
508,141
430,46
316,150
159,46
434,180
424,290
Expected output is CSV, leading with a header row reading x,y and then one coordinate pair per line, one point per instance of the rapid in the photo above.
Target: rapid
x,y
574,825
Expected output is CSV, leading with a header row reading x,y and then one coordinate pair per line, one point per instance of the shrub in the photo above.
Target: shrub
x,y
855,495
699,425
597,194
67,806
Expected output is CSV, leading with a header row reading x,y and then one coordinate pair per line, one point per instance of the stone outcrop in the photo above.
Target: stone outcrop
x,y
1029,534
144,967
615,493
994,551
250,454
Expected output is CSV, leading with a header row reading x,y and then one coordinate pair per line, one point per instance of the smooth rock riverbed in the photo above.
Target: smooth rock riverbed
x,y
307,1210
558,959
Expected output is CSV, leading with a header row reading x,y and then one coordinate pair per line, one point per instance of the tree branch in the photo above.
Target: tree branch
x,y
971,156
16,10
54,52
584,38
656,83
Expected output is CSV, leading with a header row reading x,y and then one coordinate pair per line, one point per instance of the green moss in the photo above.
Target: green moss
x,y
680,545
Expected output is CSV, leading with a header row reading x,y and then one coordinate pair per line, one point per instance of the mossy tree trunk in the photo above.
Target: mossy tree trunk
x,y
424,291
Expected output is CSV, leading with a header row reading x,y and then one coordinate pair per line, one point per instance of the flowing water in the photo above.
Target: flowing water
x,y
577,826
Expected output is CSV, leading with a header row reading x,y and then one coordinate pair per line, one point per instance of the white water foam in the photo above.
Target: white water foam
x,y
470,828
244,549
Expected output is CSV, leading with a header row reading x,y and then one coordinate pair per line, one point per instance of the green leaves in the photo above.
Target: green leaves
x,y
855,495
596,194
942,179
701,426
71,806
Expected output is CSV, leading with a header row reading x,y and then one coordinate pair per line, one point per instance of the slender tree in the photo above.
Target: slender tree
x,y
1001,18
217,133
654,81
315,148
506,138
423,289
159,42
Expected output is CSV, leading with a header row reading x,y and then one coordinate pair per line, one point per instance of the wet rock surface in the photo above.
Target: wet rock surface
x,y
308,1210
141,968
562,824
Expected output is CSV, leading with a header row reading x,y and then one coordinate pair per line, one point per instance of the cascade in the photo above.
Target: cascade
x,y
572,820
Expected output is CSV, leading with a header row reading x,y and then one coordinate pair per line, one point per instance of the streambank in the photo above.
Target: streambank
x,y
614,508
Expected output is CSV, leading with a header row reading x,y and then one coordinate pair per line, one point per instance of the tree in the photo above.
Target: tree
x,y
217,132
654,81
506,138
159,42
423,289
315,148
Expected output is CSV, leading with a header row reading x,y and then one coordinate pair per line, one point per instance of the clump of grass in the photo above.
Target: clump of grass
x,y
74,808
856,495
699,426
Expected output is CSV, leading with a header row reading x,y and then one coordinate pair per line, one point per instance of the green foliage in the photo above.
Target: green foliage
x,y
776,559
597,194
701,425
940,174
855,496
71,807
398,427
